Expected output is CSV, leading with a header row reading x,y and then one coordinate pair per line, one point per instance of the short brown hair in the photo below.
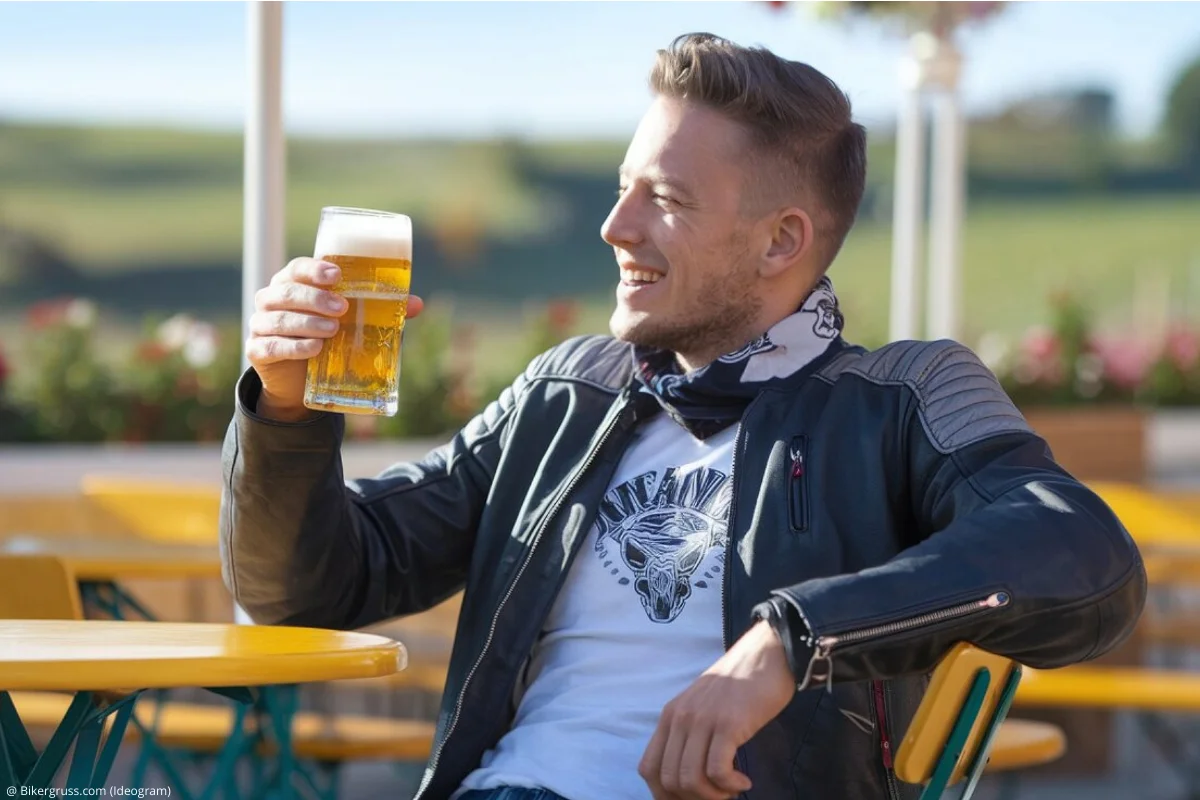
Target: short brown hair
x,y
796,117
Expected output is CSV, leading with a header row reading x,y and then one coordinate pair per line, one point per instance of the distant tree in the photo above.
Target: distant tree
x,y
1182,121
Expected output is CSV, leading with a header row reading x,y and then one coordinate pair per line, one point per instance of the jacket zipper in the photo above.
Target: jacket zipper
x,y
885,740
739,757
462,693
825,645
726,633
798,483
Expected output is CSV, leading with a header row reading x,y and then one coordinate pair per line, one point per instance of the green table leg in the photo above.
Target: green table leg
x,y
112,601
280,703
239,744
19,754
82,725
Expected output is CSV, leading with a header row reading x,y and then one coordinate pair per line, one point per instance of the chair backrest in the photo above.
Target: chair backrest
x,y
38,587
952,731
162,511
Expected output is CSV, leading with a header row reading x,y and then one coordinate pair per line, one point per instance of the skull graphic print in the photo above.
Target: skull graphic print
x,y
668,540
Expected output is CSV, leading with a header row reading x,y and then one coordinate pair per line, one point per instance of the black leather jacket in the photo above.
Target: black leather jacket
x,y
926,513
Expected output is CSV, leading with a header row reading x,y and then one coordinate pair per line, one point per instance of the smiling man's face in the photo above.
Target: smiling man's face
x,y
688,270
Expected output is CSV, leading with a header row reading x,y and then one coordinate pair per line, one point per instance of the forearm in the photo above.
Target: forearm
x,y
301,546
290,547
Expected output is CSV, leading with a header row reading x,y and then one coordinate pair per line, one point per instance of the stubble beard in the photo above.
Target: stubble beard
x,y
719,322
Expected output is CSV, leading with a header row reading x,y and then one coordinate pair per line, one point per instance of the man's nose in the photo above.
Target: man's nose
x,y
622,228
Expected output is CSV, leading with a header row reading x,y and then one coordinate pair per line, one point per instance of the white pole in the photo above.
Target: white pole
x,y
908,206
263,184
946,202
263,177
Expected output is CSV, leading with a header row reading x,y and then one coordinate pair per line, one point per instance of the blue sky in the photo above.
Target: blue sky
x,y
548,69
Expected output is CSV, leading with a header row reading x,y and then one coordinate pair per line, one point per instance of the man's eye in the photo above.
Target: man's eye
x,y
662,198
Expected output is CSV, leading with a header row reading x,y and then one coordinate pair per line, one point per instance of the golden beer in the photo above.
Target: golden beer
x,y
358,369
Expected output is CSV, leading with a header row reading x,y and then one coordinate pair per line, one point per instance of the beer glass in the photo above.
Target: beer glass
x,y
358,369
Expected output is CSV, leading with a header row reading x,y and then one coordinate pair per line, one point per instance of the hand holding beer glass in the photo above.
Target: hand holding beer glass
x,y
326,333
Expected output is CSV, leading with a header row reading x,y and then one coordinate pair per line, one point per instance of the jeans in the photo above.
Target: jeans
x,y
510,793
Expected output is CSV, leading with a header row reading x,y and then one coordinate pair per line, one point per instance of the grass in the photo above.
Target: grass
x,y
113,200
1017,254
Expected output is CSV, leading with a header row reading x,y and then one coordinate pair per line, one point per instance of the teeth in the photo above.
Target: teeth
x,y
638,275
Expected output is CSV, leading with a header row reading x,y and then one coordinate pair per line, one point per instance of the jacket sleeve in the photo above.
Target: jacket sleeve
x,y
301,546
1011,552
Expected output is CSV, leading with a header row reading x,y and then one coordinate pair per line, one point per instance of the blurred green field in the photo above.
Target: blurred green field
x,y
112,201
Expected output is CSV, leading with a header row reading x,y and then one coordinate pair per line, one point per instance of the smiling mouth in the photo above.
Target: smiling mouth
x,y
638,277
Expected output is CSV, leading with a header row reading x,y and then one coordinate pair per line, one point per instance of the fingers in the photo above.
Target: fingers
x,y
691,779
308,270
298,310
719,766
687,759
291,296
291,323
650,767
673,751
415,306
264,350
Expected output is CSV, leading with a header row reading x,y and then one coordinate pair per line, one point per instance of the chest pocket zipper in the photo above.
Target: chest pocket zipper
x,y
798,483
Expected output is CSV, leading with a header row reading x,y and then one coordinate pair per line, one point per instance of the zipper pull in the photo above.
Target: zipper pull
x,y
797,464
820,657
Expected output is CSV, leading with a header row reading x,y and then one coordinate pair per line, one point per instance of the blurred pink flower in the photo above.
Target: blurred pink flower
x,y
1040,344
1182,348
47,313
1039,358
4,368
1126,362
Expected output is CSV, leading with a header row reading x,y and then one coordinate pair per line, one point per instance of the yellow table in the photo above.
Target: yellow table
x,y
127,657
114,655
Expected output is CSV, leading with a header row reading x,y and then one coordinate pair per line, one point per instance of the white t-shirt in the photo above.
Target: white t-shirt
x,y
637,621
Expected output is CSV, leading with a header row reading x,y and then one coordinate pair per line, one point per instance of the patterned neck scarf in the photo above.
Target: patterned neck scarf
x,y
713,397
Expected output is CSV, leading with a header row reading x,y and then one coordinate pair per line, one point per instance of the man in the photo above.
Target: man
x,y
717,554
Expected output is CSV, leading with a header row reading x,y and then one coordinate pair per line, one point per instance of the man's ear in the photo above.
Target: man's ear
x,y
791,240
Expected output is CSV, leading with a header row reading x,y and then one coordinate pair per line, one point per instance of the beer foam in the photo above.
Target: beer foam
x,y
365,235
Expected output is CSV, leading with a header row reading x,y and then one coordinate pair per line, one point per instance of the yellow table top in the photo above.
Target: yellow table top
x,y
103,654
112,560
1023,743
1110,687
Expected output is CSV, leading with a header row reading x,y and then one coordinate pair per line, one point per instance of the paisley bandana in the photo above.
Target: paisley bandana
x,y
713,397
